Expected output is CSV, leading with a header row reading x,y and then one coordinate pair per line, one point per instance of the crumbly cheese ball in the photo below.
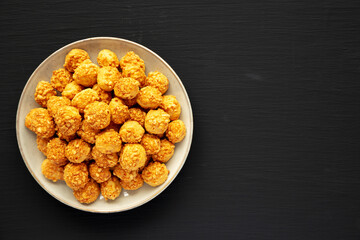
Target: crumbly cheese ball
x,y
84,98
76,175
56,151
108,142
167,149
134,72
171,106
149,97
107,77
157,80
86,73
77,151
136,114
97,115
60,78
114,126
107,58
104,160
155,174
43,92
129,102
67,138
151,143
52,171
89,193
104,96
55,103
99,174
176,131
131,132
87,133
134,184
42,144
156,121
148,159
111,188
68,120
71,90
132,59
74,58
119,111
126,88
132,157
40,122
123,174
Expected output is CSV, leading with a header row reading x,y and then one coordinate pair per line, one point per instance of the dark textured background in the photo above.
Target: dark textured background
x,y
275,91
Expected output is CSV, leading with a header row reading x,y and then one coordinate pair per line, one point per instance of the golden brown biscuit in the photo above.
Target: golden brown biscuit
x,y
155,174
156,121
56,151
76,175
97,115
131,132
167,149
108,142
107,58
71,90
157,80
107,77
171,106
74,58
149,97
99,174
52,171
89,193
104,160
132,157
68,120
111,188
60,78
119,111
86,73
43,92
151,143
126,88
40,122
176,131
77,151
84,98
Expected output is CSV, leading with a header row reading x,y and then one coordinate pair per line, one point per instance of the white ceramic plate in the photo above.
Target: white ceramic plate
x,y
27,139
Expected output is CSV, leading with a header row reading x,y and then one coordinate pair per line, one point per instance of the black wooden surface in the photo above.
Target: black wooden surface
x,y
274,87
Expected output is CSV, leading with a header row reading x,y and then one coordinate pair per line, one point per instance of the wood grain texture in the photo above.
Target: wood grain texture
x,y
274,87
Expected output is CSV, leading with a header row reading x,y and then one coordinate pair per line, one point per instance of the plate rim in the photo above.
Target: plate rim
x,y
146,200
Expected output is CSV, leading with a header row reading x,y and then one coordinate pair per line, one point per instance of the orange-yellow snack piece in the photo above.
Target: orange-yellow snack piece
x,y
107,77
156,121
136,114
171,106
67,138
134,72
77,151
132,157
104,160
84,98
97,115
129,102
119,111
76,175
134,184
148,159
131,132
126,88
40,122
89,193
157,80
71,90
87,133
55,102
111,188
56,151
149,97
132,58
43,92
107,58
42,144
155,174
123,174
86,73
99,174
176,131
74,58
104,96
52,171
108,142
68,120
151,143
60,78
167,149
114,126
